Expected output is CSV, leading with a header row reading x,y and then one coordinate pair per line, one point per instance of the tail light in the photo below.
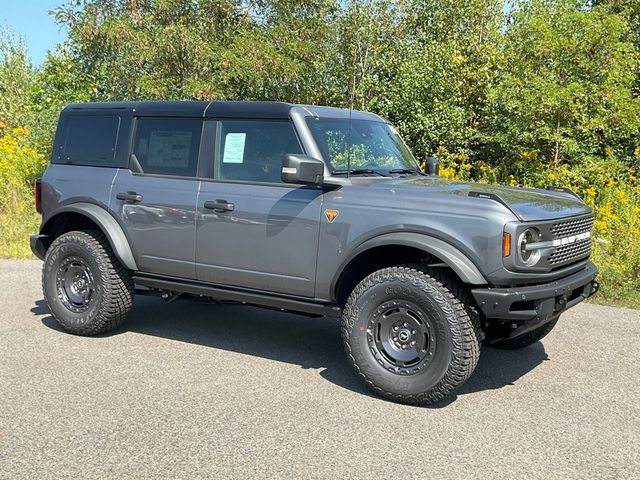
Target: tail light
x,y
37,194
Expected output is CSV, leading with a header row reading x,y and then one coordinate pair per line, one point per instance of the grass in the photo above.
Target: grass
x,y
626,297
18,220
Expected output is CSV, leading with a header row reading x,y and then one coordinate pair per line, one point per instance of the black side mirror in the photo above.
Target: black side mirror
x,y
432,166
302,169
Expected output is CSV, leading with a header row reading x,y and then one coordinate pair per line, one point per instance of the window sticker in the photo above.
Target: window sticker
x,y
234,148
169,149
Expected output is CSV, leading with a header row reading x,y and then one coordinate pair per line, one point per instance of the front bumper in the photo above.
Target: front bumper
x,y
537,303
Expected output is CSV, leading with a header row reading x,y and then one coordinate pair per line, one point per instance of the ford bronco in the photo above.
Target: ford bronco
x,y
307,209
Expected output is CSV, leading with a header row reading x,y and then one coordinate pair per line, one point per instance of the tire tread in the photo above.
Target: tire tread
x,y
464,320
117,289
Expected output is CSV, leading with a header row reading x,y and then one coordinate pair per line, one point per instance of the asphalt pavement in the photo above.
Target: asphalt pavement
x,y
189,390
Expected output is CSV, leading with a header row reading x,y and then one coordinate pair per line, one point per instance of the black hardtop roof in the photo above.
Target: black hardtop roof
x,y
216,108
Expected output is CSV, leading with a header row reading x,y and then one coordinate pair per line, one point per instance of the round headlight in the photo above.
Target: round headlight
x,y
528,257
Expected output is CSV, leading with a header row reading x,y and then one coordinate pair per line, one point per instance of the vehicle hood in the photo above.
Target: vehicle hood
x,y
527,203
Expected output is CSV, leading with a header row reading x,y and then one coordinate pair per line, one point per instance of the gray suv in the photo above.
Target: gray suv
x,y
315,210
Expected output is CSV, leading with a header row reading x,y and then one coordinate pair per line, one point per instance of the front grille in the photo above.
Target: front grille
x,y
575,250
572,227
572,251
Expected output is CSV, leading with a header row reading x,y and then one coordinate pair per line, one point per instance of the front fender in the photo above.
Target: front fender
x,y
454,258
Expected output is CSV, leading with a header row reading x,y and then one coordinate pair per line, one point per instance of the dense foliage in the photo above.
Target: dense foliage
x,y
544,91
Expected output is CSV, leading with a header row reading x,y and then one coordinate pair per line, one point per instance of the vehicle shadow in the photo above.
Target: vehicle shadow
x,y
313,343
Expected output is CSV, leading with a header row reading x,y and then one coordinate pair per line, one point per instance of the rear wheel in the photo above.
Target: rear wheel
x,y
86,288
526,339
411,333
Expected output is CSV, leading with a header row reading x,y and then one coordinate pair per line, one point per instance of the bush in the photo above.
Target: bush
x,y
20,162
20,165
616,248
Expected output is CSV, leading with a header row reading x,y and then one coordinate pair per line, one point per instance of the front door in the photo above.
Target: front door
x,y
156,203
252,230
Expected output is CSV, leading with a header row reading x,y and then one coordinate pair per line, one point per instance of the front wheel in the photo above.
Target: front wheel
x,y
86,288
411,333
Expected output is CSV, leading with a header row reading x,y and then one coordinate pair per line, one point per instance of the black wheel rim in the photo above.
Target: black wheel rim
x,y
75,284
401,337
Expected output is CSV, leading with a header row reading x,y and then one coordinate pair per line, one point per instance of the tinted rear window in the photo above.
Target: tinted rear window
x,y
168,146
90,140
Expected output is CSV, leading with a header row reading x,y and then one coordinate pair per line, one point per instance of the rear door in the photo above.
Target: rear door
x,y
253,230
156,202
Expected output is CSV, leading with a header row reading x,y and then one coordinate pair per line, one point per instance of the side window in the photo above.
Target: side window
x,y
253,150
90,140
168,146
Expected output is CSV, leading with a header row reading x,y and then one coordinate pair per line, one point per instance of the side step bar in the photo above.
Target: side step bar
x,y
251,297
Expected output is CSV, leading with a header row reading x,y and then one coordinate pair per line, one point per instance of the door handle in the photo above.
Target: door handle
x,y
132,197
219,205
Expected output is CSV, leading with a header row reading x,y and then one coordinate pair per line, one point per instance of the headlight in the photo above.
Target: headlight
x,y
528,257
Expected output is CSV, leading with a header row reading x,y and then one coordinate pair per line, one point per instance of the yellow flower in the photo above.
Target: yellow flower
x,y
528,155
447,172
19,163
606,213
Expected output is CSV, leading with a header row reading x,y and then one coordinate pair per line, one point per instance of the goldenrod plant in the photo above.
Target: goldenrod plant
x,y
20,165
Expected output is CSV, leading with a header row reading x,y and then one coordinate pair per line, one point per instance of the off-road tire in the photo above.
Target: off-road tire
x,y
448,314
526,339
111,292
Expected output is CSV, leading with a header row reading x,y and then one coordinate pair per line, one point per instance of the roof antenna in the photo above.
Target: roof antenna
x,y
350,150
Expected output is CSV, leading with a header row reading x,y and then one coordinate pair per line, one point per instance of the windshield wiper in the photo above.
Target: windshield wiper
x,y
358,171
406,170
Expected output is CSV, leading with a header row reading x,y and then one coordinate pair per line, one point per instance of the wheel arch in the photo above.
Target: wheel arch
x,y
401,247
79,216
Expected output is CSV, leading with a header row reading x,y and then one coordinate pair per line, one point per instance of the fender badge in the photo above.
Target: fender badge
x,y
331,215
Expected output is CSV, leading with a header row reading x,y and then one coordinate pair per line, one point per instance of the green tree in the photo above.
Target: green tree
x,y
17,78
201,49
435,79
629,10
565,87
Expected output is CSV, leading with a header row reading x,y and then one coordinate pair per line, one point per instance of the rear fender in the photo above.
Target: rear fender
x,y
105,221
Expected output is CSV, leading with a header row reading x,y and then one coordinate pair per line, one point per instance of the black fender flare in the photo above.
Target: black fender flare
x,y
107,223
454,258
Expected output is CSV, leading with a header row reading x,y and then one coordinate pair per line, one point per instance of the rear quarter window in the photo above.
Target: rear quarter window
x,y
89,140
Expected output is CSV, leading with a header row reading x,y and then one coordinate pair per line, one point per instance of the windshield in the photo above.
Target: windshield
x,y
373,145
